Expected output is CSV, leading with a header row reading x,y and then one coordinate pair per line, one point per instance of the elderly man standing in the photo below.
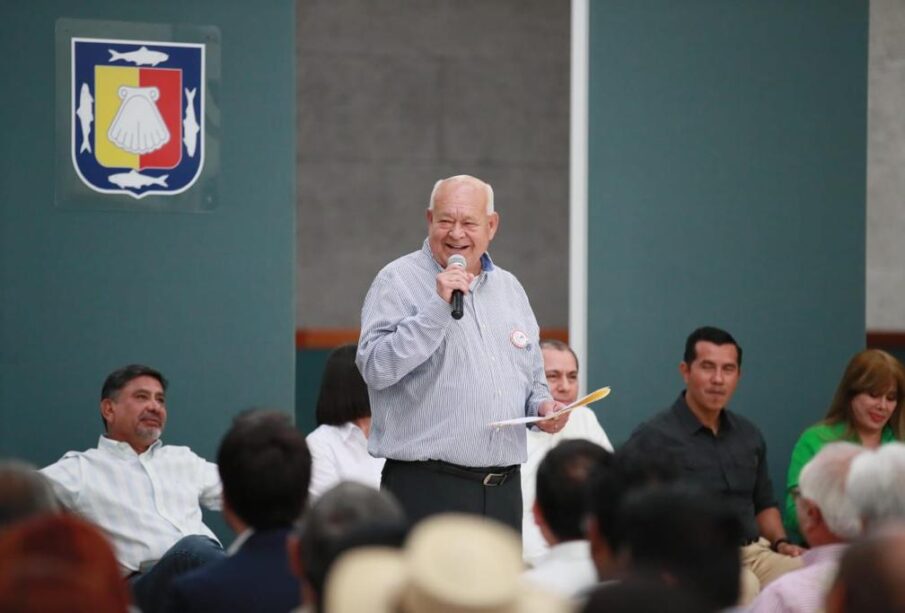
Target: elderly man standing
x,y
722,452
437,382
829,519
144,495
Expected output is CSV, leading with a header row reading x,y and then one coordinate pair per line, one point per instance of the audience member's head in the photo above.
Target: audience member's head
x,y
133,405
23,492
59,563
343,395
709,334
643,595
561,370
265,468
871,575
685,537
607,486
559,508
826,514
451,563
876,484
870,394
348,516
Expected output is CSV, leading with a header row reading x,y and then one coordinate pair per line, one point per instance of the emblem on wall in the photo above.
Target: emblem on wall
x,y
137,115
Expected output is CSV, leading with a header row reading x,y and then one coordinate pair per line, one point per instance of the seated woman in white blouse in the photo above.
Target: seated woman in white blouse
x,y
339,444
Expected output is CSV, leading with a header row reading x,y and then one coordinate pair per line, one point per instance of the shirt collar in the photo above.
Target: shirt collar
x,y
689,423
240,540
824,553
349,430
486,262
123,448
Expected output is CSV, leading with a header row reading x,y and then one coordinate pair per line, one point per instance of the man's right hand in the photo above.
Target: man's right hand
x,y
453,278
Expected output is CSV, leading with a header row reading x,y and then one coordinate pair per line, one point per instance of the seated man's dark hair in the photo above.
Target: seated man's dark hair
x,y
343,395
684,533
561,480
711,335
265,467
120,377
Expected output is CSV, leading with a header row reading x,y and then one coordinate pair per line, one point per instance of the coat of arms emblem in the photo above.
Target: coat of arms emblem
x,y
137,115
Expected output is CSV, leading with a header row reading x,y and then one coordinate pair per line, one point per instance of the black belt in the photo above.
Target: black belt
x,y
489,476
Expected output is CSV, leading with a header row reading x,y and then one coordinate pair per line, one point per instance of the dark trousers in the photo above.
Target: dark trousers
x,y
430,487
150,588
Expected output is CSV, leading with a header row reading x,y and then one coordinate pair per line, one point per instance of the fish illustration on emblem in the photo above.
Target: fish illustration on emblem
x,y
137,115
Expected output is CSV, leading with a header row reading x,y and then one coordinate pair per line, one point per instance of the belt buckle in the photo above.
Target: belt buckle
x,y
489,479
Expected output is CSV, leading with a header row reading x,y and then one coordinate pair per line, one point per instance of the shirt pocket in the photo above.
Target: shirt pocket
x,y
743,472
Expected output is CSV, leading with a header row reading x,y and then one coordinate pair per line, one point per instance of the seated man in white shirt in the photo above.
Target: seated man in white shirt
x,y
561,370
567,568
144,495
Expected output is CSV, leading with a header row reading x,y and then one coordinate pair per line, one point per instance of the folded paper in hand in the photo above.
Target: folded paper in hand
x,y
594,396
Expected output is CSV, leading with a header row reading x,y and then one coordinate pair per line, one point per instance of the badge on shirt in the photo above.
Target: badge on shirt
x,y
519,339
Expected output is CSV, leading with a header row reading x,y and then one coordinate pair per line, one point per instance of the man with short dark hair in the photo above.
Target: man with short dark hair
x,y
723,452
567,568
678,534
146,496
265,468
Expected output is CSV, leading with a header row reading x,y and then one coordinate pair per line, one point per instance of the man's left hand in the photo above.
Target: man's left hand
x,y
788,549
558,422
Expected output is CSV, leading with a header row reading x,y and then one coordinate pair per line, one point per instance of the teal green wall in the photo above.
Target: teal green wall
x,y
309,368
727,148
205,297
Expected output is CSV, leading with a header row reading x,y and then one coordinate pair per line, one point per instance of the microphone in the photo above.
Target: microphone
x,y
459,262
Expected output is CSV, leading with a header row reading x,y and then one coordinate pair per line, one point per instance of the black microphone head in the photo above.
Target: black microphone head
x,y
456,260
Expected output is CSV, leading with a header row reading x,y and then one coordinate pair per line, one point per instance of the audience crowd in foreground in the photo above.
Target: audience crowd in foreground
x,y
682,517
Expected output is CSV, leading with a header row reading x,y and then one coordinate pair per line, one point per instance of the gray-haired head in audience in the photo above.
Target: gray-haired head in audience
x,y
823,484
348,516
23,492
876,484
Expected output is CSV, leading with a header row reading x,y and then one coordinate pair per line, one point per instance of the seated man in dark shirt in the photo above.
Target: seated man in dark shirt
x,y
723,452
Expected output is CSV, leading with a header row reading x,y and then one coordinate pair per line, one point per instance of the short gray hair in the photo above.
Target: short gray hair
x,y
24,492
488,190
822,481
348,510
876,483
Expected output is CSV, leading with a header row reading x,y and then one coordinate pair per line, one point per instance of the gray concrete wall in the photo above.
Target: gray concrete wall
x,y
393,95
886,167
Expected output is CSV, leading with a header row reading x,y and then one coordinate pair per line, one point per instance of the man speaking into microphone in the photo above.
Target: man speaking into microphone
x,y
436,381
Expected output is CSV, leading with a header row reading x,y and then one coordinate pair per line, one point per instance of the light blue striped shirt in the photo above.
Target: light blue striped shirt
x,y
435,383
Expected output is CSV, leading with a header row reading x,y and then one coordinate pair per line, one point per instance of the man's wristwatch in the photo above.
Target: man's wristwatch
x,y
775,544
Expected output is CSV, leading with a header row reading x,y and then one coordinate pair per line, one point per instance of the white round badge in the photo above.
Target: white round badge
x,y
519,339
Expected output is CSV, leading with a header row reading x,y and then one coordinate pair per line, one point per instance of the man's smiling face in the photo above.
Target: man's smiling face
x,y
459,223
137,413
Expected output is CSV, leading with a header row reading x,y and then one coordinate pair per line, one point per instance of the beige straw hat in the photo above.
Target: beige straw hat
x,y
451,563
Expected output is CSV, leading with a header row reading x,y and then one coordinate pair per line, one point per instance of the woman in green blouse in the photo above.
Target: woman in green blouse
x,y
866,409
